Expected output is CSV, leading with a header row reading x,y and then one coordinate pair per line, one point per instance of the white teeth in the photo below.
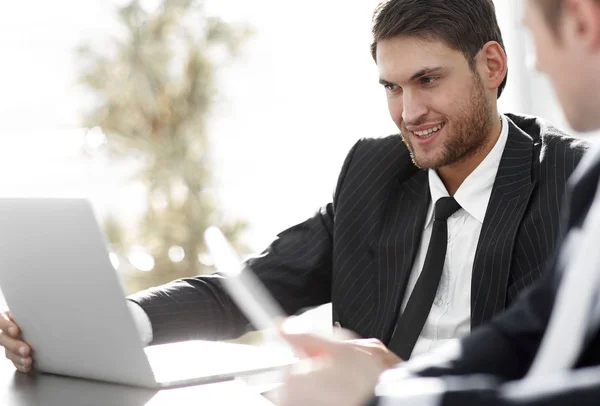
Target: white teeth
x,y
428,132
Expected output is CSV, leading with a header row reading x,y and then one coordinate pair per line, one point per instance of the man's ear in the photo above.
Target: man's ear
x,y
494,65
581,21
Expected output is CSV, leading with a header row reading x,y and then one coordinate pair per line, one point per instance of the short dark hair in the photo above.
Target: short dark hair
x,y
552,10
464,25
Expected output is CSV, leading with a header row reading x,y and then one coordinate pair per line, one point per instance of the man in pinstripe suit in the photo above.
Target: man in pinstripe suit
x,y
545,350
443,66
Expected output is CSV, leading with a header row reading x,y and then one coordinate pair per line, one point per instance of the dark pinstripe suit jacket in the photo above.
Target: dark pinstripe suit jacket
x,y
358,251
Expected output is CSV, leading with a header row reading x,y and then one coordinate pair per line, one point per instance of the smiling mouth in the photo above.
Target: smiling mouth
x,y
428,133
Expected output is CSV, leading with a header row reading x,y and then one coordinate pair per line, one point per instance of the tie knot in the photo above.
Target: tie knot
x,y
445,207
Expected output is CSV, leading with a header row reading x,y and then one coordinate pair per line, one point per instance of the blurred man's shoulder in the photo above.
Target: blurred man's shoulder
x,y
550,136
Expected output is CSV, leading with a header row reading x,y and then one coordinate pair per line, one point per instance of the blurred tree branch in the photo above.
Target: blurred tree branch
x,y
154,88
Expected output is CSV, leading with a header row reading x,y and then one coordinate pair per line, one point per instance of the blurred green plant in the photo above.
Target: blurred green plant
x,y
153,88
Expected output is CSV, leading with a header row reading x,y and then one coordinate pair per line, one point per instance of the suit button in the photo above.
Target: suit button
x,y
438,302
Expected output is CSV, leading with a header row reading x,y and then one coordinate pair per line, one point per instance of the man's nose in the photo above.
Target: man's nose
x,y
413,108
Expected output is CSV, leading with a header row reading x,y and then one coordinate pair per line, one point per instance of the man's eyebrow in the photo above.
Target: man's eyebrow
x,y
385,82
416,76
425,71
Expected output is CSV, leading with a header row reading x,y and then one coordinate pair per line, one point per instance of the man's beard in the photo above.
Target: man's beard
x,y
470,125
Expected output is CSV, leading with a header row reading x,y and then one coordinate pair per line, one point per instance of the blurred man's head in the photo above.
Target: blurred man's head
x,y
567,40
443,65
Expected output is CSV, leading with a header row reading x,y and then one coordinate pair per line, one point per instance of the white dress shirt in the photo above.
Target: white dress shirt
x,y
450,315
142,321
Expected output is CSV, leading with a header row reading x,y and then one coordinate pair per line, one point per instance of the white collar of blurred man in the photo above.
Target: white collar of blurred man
x,y
567,39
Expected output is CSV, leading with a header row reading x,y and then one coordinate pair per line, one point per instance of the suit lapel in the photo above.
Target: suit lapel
x,y
395,250
510,194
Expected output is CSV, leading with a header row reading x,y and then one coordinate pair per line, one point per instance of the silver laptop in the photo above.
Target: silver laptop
x,y
60,286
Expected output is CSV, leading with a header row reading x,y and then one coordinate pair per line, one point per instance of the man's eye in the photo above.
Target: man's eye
x,y
391,87
429,80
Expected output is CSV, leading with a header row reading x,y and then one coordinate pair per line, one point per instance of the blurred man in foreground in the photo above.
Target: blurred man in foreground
x,y
545,350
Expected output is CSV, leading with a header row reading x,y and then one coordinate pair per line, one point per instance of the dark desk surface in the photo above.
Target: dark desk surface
x,y
18,389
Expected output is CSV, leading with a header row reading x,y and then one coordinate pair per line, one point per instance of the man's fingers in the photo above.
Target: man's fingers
x,y
376,348
15,346
15,350
23,364
372,346
312,345
8,326
24,369
13,328
369,342
17,359
348,377
308,389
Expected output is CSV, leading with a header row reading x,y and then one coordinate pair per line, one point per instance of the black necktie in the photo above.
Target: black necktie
x,y
411,321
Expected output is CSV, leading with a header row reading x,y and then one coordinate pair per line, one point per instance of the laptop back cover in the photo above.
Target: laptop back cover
x,y
62,290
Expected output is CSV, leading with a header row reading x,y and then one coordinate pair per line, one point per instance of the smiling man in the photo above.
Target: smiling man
x,y
431,232
544,350
438,99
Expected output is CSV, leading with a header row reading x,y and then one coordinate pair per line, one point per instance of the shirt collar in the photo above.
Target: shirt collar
x,y
474,193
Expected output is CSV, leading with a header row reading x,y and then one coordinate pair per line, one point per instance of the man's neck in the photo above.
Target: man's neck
x,y
455,174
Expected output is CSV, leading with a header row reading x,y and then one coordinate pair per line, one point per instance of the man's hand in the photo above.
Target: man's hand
x,y
371,345
343,373
377,349
16,350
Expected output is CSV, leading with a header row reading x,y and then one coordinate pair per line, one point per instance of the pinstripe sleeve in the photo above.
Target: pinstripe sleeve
x,y
295,268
